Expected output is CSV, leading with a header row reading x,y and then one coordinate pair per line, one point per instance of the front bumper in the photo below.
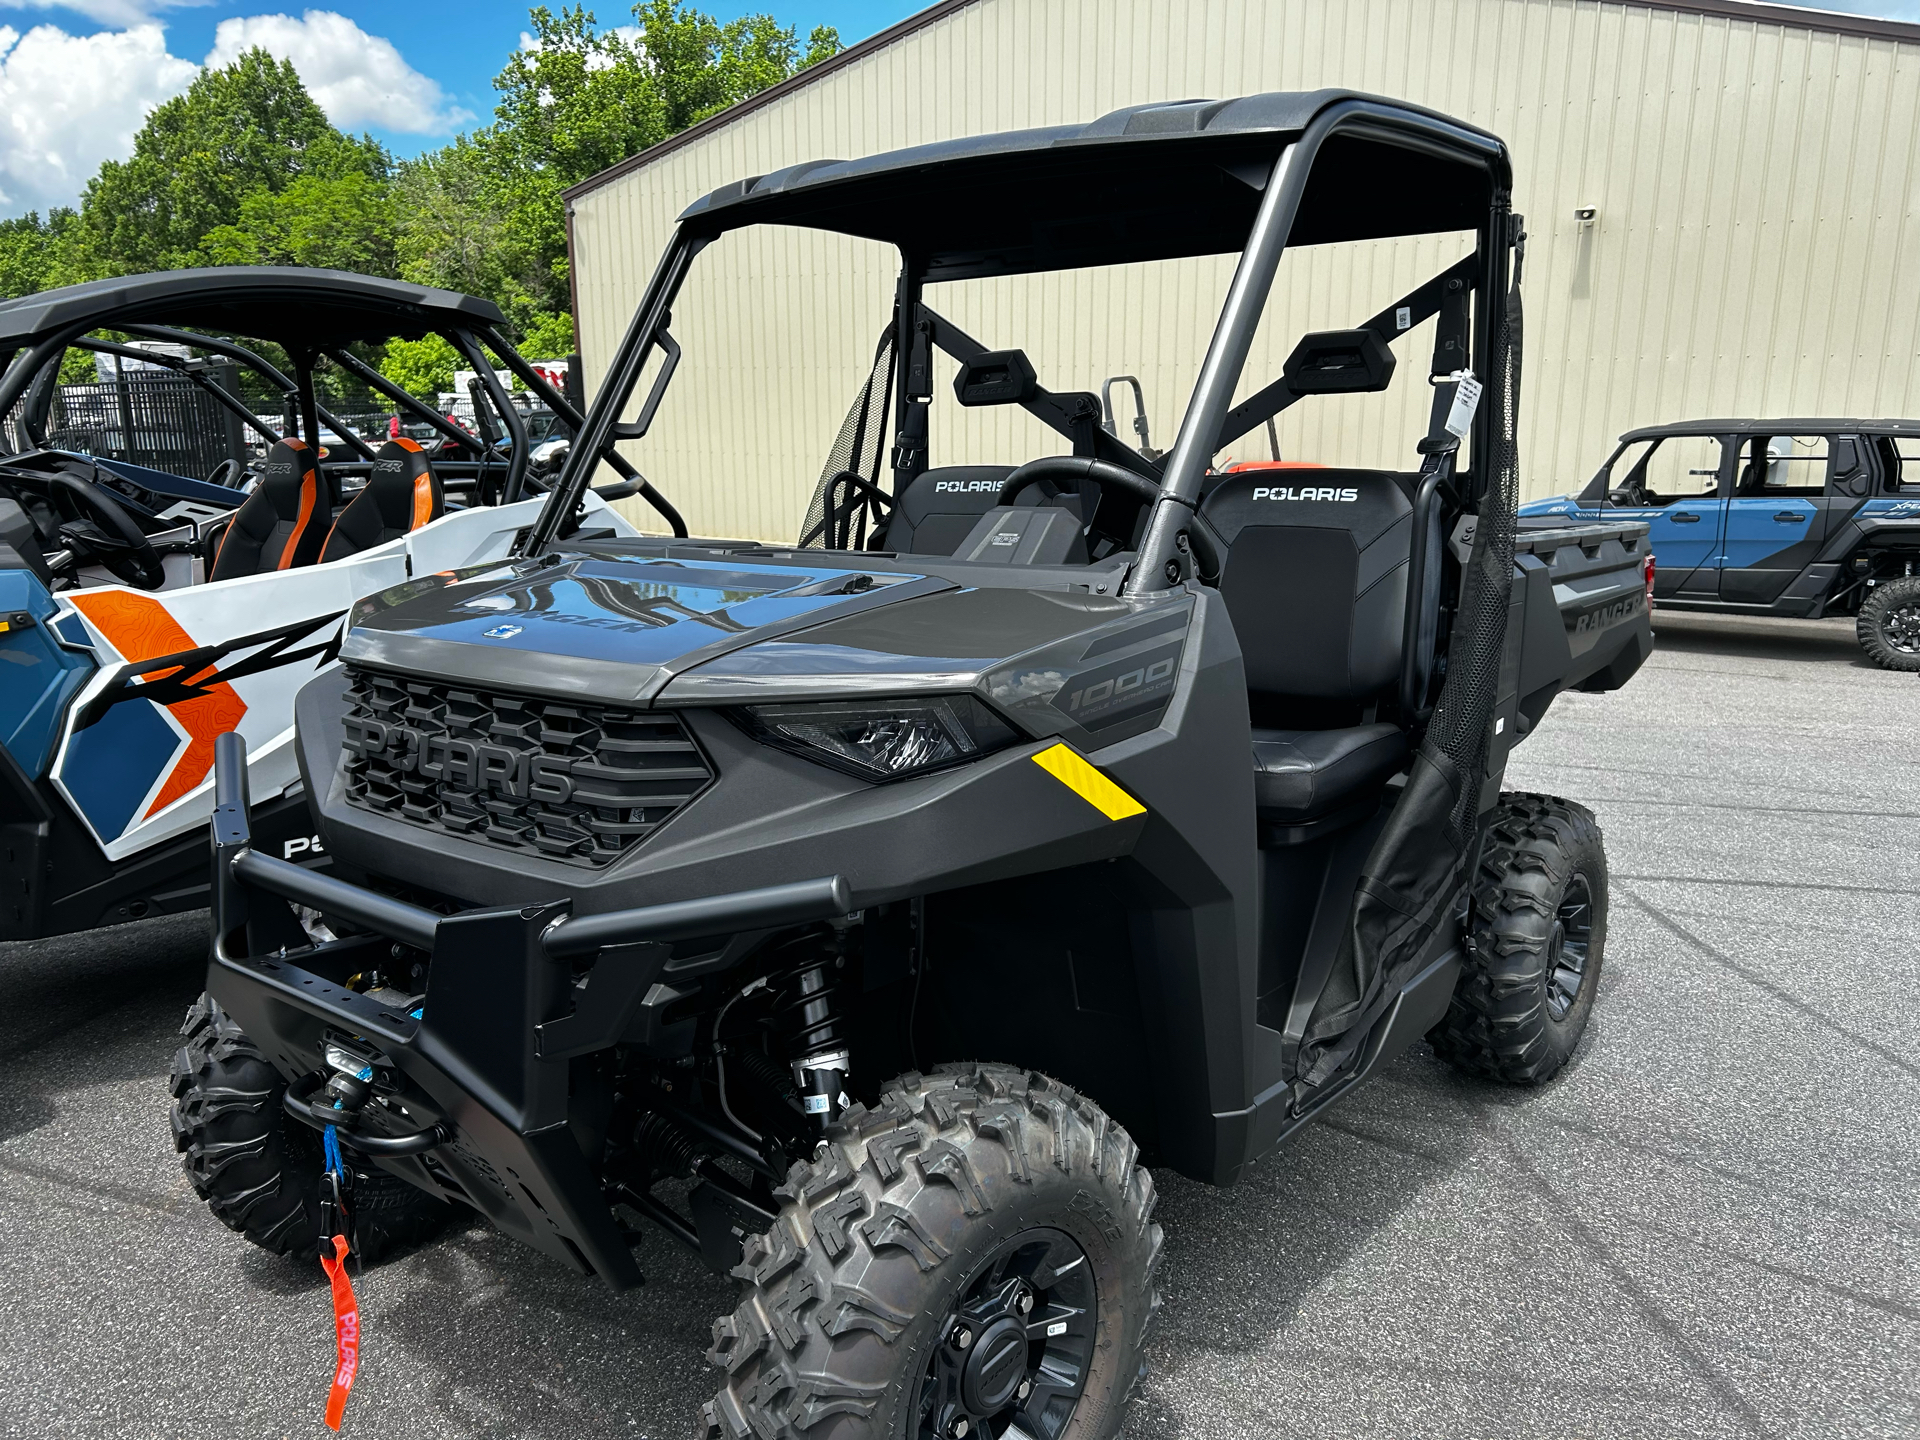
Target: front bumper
x,y
480,1068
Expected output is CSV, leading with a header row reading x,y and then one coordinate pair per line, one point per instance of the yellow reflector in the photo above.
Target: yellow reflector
x,y
1066,766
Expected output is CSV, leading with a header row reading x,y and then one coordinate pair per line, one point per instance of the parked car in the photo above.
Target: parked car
x,y
863,913
1800,518
144,612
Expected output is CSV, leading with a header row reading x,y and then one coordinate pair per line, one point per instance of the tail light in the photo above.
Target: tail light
x,y
1649,577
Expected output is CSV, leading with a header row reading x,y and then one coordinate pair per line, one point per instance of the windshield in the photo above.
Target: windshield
x,y
781,375
775,367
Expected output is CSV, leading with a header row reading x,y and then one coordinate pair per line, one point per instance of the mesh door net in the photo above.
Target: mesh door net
x,y
1411,877
848,502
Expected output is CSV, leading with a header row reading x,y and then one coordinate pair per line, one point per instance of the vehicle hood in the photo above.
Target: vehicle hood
x,y
614,628
645,630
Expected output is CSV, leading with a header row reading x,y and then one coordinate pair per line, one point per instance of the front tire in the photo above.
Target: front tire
x,y
1539,931
1888,625
981,1199
257,1169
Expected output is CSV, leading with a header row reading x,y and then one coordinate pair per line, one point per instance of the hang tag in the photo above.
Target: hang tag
x,y
346,1330
1466,400
1403,317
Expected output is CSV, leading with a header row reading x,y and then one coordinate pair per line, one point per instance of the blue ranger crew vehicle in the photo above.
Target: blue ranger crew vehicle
x,y
1796,518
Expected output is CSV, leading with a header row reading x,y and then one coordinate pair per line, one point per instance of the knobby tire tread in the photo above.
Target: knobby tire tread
x,y
874,1231
1497,1025
1869,625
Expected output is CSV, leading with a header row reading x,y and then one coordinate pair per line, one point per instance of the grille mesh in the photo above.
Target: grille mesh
x,y
628,771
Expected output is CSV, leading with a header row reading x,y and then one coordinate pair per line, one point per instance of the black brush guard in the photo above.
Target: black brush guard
x,y
481,1114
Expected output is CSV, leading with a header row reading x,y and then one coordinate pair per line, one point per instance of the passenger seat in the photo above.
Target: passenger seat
x,y
401,495
1314,575
283,523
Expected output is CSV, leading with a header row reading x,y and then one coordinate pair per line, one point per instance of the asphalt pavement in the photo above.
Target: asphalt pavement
x,y
1708,1226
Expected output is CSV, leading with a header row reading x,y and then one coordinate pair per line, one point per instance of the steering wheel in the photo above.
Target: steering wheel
x,y
105,532
1049,470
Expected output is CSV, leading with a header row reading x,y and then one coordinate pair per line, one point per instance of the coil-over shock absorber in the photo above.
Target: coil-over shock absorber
x,y
807,1018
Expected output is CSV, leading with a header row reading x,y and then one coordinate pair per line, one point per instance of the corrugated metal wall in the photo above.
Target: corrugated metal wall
x,y
1757,247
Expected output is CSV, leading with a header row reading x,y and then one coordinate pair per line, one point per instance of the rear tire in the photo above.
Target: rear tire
x,y
259,1170
977,1181
1539,931
1888,626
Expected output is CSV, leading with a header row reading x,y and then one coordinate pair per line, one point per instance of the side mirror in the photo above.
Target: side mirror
x,y
1339,362
999,377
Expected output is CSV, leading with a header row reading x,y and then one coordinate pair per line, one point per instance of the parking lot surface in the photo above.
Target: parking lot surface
x,y
1709,1225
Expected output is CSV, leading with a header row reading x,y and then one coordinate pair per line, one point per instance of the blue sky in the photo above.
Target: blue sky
x,y
77,77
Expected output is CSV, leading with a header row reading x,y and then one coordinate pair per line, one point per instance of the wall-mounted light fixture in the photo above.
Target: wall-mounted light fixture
x,y
1586,214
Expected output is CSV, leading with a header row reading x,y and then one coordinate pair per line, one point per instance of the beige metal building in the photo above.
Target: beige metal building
x,y
1723,202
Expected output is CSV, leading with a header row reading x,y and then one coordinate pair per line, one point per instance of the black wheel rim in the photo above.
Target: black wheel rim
x,y
1902,629
1568,947
1011,1358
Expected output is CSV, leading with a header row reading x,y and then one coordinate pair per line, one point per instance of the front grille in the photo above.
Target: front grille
x,y
580,783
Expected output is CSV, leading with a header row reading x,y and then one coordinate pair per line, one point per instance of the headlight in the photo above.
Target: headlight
x,y
883,739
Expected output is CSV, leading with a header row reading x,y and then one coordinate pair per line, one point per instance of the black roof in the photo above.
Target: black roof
x,y
1148,182
1790,425
282,303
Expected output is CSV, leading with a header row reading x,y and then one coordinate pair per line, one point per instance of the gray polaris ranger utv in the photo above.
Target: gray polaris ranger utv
x,y
865,913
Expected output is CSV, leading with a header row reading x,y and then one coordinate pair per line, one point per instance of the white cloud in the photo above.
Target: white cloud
x,y
360,80
68,102
106,12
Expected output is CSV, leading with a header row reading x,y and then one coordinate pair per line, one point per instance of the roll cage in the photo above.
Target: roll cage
x,y
1146,183
312,315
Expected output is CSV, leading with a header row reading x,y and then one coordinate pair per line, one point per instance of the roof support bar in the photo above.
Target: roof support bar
x,y
374,380
573,420
1163,561
1160,566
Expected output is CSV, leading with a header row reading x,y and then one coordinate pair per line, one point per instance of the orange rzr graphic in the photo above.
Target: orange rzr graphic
x,y
139,627
187,680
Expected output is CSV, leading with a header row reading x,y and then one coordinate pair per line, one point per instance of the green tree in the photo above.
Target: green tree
x,y
548,337
422,367
485,214
702,67
447,221
248,127
341,222
30,252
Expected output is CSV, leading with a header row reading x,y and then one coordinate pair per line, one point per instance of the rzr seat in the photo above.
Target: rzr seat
x,y
283,523
401,494
1314,573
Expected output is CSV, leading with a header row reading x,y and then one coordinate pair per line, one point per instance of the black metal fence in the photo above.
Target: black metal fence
x,y
156,418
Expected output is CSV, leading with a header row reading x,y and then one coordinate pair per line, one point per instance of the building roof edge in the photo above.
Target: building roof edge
x,y
1758,11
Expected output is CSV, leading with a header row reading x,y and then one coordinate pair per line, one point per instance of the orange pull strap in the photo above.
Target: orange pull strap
x,y
346,1328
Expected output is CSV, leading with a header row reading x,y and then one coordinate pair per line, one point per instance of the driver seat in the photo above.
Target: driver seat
x,y
402,493
283,523
940,508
